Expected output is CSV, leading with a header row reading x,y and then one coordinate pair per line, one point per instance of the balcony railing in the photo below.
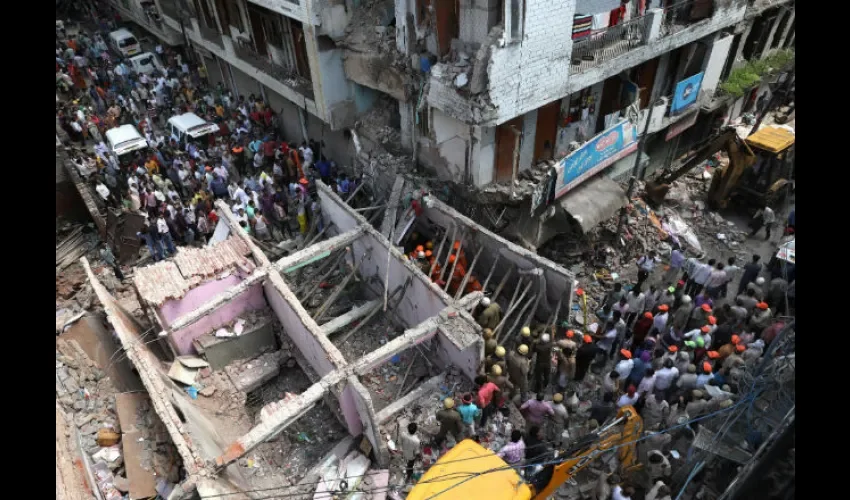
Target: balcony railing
x,y
210,34
679,15
245,50
606,44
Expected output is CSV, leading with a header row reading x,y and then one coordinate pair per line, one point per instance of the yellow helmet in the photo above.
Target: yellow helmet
x,y
500,351
488,333
429,245
526,331
522,349
496,370
558,397
449,403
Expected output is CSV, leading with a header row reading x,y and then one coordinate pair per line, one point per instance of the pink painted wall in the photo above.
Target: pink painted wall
x,y
249,300
349,411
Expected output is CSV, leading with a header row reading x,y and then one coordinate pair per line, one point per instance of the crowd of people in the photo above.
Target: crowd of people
x,y
674,350
268,182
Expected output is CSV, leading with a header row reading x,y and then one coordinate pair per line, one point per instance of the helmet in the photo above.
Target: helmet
x,y
485,302
496,370
570,334
456,245
686,299
429,245
557,397
449,403
452,258
488,333
759,281
544,338
500,351
526,331
522,349
420,255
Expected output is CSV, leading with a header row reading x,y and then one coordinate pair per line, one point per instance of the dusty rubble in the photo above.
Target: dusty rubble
x,y
410,368
85,392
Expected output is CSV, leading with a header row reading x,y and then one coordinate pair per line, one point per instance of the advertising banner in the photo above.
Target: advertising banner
x,y
596,154
686,93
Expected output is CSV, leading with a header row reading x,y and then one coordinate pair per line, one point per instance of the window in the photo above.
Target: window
x,y
514,15
234,15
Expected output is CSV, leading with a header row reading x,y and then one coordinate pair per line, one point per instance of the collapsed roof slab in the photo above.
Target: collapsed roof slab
x,y
558,281
129,334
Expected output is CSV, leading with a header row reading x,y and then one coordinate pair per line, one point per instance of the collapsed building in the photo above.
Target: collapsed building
x,y
278,376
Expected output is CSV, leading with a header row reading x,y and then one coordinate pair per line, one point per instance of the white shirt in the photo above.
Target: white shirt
x,y
636,303
703,379
701,273
102,190
241,195
660,321
307,153
617,494
161,226
664,377
608,340
626,400
624,368
646,385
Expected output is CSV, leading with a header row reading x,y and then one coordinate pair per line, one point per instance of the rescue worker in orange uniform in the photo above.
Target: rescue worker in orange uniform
x,y
456,277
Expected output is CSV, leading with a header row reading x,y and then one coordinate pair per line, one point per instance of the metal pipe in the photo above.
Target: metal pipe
x,y
511,310
502,284
332,266
356,190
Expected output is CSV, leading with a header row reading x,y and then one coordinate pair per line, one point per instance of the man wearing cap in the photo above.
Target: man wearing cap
x,y
624,364
758,286
490,316
668,298
469,412
566,363
498,358
536,410
560,419
498,377
450,422
699,317
630,397
524,336
728,349
761,318
682,314
490,343
641,329
542,364
585,355
518,367
705,376
659,322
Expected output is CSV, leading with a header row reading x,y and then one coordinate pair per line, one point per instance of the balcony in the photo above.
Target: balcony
x,y
608,43
245,51
210,34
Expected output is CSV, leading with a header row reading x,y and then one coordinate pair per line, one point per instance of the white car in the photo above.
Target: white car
x,y
125,139
190,125
146,63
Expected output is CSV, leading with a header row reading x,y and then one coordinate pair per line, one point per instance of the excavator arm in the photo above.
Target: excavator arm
x,y
469,471
656,189
624,432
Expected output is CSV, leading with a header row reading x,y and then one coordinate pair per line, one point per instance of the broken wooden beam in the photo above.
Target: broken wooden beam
x,y
510,311
391,213
351,316
330,300
501,284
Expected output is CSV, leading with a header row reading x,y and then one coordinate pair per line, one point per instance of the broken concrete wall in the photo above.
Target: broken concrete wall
x,y
322,355
363,402
350,413
476,17
336,211
377,72
460,344
251,299
558,280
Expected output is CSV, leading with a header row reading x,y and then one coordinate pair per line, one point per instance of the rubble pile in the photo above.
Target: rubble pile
x,y
376,333
246,322
156,454
385,381
372,27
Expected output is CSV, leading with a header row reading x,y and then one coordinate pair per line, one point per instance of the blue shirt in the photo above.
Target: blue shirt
x,y
324,168
255,145
677,258
468,412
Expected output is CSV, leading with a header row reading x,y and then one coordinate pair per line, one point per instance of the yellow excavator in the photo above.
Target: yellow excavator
x,y
469,471
759,168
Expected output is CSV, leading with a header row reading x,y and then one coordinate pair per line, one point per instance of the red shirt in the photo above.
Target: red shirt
x,y
268,148
268,116
212,217
255,116
485,394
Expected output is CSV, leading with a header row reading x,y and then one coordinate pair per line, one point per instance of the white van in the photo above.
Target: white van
x,y
124,43
146,63
190,125
125,139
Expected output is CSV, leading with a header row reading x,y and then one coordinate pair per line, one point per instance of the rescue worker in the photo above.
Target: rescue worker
x,y
641,329
525,336
566,363
560,420
699,316
682,314
422,263
450,422
461,255
498,358
542,364
457,276
518,366
584,357
491,315
490,343
761,318
505,386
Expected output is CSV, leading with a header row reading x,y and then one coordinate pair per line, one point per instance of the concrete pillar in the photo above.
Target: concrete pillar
x,y
483,155
407,115
654,16
660,77
787,30
739,54
766,49
475,18
526,146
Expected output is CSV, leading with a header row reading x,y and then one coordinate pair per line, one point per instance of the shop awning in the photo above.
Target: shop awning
x,y
594,201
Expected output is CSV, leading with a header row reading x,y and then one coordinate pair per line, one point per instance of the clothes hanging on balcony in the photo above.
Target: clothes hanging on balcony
x,y
616,15
600,21
582,26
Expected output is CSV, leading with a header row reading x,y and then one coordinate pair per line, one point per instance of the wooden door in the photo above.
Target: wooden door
x,y
447,24
505,145
547,130
300,46
609,102
646,80
258,34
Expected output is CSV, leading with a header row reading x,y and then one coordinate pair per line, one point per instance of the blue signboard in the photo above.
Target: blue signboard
x,y
596,154
686,93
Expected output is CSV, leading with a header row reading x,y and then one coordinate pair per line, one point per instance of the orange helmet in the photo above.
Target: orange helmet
x,y
452,258
456,246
